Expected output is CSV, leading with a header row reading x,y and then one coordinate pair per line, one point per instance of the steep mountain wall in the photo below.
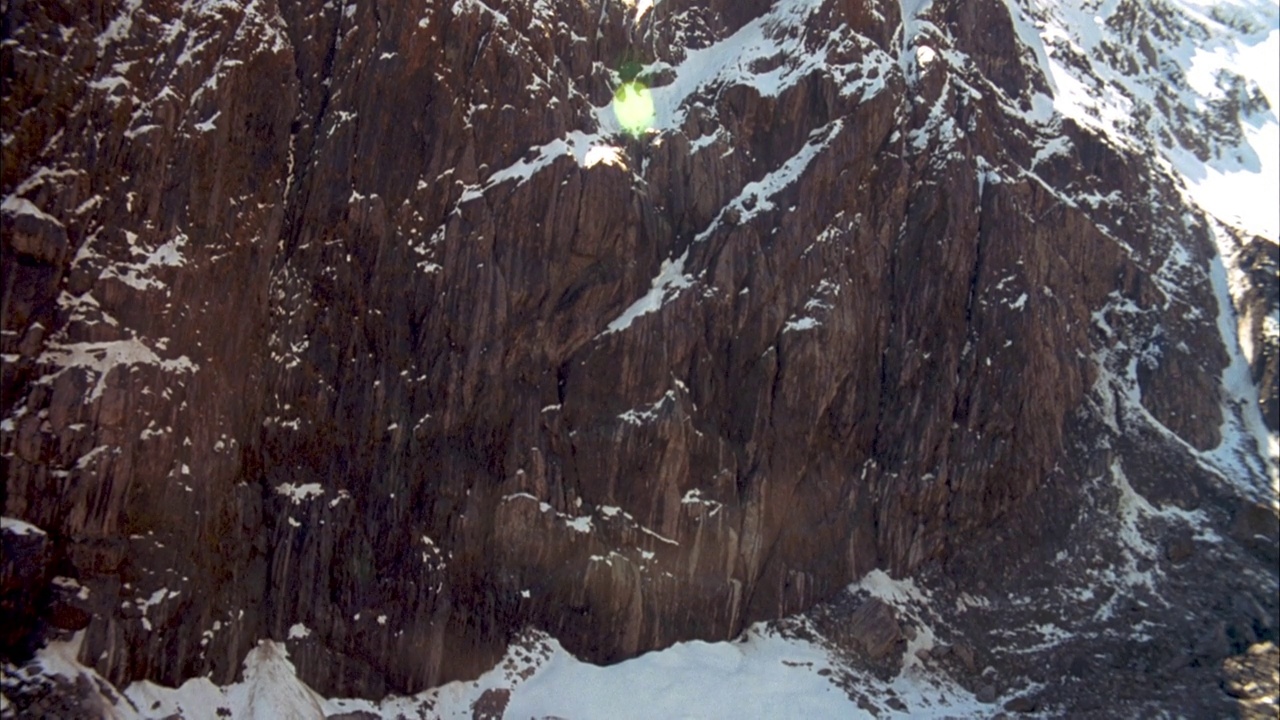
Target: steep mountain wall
x,y
366,327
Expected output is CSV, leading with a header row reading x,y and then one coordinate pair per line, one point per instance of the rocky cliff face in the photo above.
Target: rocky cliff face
x,y
368,328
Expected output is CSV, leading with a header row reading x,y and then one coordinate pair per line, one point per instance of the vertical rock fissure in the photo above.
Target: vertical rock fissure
x,y
298,201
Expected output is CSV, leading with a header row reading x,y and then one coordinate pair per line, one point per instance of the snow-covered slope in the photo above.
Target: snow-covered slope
x,y
769,671
1195,84
1195,81
763,674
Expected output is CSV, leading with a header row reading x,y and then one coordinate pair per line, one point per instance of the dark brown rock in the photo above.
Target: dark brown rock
x,y
874,628
491,705
25,572
1257,527
1259,261
316,319
1179,548
69,617
1021,704
1213,644
59,697
34,235
965,654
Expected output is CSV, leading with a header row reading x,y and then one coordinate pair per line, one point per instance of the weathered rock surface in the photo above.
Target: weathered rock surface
x,y
1253,676
1259,318
24,587
363,327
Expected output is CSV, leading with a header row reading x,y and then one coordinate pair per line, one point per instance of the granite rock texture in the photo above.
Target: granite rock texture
x,y
366,328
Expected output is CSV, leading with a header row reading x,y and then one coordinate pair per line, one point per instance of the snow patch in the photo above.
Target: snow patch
x,y
208,125
756,197
18,527
299,493
585,148
16,206
804,323
606,154
895,592
100,358
667,285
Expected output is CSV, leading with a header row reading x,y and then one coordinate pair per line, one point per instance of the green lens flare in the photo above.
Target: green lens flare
x,y
633,106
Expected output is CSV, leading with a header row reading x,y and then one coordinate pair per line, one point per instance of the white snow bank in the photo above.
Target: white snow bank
x,y
18,527
270,690
1242,188
760,674
14,205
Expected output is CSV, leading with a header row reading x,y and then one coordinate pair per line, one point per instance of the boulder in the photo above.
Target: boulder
x,y
874,628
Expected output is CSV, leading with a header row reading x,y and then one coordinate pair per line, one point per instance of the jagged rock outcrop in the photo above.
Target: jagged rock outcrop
x,y
365,327
1258,310
24,573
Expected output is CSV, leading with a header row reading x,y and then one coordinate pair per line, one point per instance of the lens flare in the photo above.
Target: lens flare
x,y
633,106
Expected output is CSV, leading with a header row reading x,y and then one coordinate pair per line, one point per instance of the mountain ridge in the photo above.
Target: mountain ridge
x,y
415,378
